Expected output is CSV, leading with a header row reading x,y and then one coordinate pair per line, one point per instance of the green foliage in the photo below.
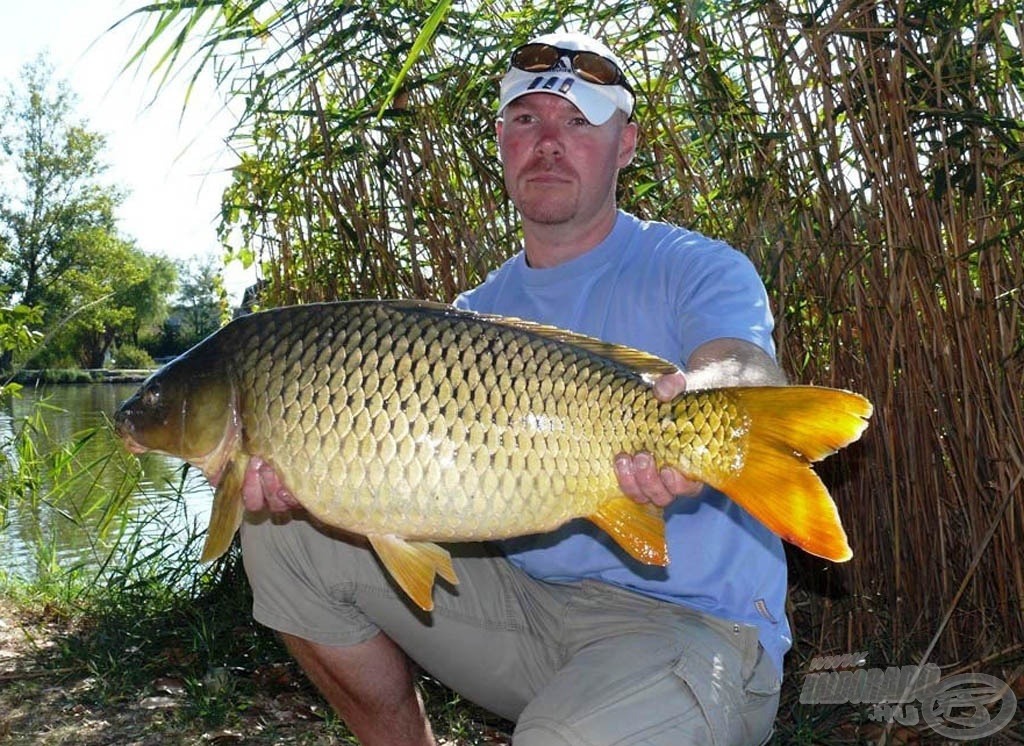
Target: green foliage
x,y
54,376
868,157
155,279
17,335
202,305
41,473
16,332
122,290
59,246
58,205
129,356
330,180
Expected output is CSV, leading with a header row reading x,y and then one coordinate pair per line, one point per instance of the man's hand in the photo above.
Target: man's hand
x,y
262,489
637,475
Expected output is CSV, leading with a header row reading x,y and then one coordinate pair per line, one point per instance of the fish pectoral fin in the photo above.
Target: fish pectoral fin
x,y
639,529
414,565
227,510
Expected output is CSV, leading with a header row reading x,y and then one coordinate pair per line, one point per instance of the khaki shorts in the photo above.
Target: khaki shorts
x,y
583,663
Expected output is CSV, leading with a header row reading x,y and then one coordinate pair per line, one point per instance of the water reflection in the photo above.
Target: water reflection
x,y
67,515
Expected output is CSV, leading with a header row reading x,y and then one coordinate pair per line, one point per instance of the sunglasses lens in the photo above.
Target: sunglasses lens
x,y
535,57
592,67
595,68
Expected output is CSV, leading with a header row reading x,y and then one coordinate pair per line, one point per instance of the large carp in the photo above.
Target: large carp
x,y
414,422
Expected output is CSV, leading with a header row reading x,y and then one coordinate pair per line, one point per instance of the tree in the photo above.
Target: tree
x,y
123,291
60,250
149,296
202,302
60,207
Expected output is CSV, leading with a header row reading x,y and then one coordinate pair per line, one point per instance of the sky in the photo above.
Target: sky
x,y
173,163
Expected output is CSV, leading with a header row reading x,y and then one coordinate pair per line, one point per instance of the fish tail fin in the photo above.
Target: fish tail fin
x,y
639,529
789,428
414,565
228,509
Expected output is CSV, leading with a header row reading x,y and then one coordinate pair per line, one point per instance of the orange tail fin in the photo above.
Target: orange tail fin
x,y
791,427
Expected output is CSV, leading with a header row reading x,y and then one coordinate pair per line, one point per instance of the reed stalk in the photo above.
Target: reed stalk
x,y
869,158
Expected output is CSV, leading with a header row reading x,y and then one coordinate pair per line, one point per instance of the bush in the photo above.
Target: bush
x,y
130,356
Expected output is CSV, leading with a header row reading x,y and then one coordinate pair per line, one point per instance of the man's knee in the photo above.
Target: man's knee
x,y
627,694
304,581
659,711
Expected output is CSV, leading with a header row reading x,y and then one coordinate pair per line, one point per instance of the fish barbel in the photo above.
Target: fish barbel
x,y
413,422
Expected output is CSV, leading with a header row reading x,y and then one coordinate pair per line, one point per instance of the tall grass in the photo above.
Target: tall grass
x,y
79,517
50,489
868,156
113,568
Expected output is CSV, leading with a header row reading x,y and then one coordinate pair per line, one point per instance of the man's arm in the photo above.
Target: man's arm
x,y
715,364
731,362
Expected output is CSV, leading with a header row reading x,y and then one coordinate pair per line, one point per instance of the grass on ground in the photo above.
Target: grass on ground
x,y
141,665
135,663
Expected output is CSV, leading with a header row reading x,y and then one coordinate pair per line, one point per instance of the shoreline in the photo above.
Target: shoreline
x,y
56,376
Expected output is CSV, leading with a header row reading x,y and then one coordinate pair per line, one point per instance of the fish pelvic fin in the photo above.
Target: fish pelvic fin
x,y
414,565
228,509
637,528
789,428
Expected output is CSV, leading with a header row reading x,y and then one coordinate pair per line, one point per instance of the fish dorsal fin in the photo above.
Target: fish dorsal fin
x,y
638,360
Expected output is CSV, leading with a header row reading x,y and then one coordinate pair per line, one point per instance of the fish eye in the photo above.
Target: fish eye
x,y
151,396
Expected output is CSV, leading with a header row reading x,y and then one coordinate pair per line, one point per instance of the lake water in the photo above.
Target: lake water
x,y
66,516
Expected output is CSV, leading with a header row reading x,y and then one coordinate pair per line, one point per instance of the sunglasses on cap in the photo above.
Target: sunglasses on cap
x,y
538,57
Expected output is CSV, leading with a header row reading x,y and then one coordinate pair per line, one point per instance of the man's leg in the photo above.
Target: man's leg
x,y
644,672
591,664
371,687
490,638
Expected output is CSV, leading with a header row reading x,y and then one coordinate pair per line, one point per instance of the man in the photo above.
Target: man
x,y
563,632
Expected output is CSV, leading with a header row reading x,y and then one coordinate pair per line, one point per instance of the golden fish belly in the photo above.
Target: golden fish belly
x,y
430,426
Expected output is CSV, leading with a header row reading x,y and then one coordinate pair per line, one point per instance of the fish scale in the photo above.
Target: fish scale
x,y
496,407
413,423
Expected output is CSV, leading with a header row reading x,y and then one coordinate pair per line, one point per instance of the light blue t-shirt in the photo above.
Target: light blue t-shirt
x,y
666,290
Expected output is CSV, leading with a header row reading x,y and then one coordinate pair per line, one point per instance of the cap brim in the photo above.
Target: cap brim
x,y
596,102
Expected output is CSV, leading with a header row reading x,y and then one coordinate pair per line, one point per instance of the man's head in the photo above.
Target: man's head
x,y
576,67
563,135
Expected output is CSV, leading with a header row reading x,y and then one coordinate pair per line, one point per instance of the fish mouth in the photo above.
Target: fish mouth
x,y
130,443
123,430
134,447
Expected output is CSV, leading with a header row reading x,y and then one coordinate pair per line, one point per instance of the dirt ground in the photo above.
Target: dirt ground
x,y
43,704
49,697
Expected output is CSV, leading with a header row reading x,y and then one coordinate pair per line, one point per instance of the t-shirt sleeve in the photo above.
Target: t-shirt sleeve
x,y
718,294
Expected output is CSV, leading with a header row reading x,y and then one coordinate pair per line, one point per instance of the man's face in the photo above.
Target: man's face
x,y
559,168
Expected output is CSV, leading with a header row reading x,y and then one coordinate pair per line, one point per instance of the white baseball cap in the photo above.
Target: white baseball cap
x,y
592,81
